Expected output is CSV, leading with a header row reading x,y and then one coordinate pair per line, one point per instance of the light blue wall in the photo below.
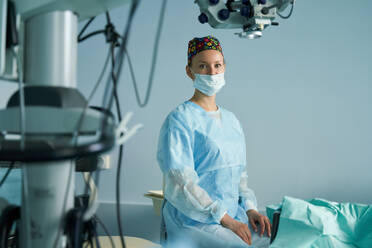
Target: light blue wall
x,y
303,94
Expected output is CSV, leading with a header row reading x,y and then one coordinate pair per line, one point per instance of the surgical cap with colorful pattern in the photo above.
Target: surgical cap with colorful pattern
x,y
198,45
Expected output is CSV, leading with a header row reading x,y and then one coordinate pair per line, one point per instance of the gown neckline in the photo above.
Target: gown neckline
x,y
203,110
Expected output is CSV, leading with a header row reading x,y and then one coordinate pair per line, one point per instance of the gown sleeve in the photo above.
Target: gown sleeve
x,y
181,189
247,196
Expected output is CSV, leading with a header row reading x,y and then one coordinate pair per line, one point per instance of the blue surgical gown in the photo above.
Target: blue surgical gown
x,y
203,160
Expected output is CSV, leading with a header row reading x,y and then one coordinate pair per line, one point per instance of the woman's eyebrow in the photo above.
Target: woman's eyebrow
x,y
206,62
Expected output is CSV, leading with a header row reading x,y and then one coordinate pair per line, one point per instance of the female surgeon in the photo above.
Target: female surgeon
x,y
202,155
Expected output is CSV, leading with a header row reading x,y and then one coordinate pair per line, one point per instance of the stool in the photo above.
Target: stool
x,y
130,242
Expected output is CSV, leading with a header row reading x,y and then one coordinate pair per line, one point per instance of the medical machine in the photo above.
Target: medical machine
x,y
252,16
48,125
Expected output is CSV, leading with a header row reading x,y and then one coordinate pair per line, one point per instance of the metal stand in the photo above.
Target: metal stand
x,y
48,188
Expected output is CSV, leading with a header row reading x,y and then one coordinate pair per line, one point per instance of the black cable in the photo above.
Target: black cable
x,y
289,14
118,196
125,39
98,245
108,19
10,215
153,65
114,81
91,228
99,221
91,241
7,174
85,27
109,95
114,92
90,234
118,173
90,35
114,97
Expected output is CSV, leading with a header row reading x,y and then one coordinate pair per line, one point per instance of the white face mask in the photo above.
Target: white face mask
x,y
209,84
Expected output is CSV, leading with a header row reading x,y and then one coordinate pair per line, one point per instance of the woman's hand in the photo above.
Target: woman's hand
x,y
255,217
238,228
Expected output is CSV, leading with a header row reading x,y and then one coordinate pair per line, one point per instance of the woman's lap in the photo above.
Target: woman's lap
x,y
208,235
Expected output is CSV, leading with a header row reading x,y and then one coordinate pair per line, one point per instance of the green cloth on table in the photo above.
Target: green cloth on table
x,y
320,223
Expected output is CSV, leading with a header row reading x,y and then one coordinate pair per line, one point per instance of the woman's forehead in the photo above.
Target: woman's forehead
x,y
208,56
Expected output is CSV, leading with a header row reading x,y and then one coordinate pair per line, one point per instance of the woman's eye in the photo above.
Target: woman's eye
x,y
217,65
202,66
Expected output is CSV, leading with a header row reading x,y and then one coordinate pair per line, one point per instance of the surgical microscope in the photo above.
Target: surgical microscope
x,y
48,128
